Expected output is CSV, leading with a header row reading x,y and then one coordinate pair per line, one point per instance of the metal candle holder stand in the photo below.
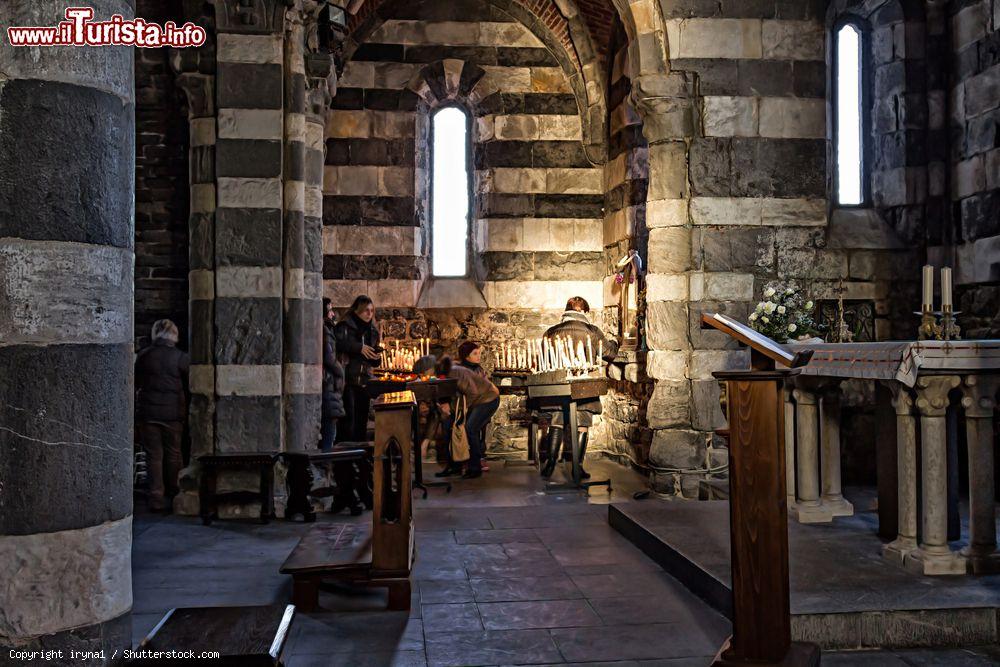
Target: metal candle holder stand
x,y
931,329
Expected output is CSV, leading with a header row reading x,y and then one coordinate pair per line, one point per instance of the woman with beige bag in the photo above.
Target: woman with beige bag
x,y
477,401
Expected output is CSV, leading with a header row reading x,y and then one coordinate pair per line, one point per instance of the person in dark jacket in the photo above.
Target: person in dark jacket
x,y
161,374
576,326
358,350
333,380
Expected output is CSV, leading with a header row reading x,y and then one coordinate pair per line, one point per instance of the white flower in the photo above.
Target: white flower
x,y
769,292
792,327
789,291
760,306
809,305
764,320
753,317
770,307
781,310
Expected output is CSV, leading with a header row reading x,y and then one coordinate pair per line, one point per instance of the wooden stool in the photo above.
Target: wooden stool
x,y
242,636
209,499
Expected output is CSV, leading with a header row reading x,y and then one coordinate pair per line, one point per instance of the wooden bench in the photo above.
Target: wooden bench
x,y
376,554
209,498
345,460
242,636
343,553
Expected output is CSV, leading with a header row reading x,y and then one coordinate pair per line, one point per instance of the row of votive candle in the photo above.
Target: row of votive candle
x,y
548,354
402,358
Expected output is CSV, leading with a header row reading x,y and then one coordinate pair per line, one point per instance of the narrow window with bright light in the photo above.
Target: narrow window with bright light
x,y
849,124
449,193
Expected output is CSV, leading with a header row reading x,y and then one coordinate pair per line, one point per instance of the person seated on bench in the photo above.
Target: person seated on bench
x,y
575,326
482,399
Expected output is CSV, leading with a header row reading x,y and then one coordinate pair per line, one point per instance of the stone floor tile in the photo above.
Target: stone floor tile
x,y
664,608
470,649
357,633
625,584
505,536
437,591
381,659
538,615
637,642
510,589
451,617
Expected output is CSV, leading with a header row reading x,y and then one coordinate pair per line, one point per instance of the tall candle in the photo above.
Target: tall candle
x,y
590,352
928,299
600,351
946,288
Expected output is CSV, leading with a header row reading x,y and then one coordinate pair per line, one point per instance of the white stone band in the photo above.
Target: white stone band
x,y
40,573
60,292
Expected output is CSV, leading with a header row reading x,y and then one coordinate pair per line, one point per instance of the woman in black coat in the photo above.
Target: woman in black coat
x,y
357,345
333,380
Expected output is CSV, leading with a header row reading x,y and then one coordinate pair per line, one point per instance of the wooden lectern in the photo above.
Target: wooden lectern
x,y
758,515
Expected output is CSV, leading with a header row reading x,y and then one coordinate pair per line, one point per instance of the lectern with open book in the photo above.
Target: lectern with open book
x,y
758,516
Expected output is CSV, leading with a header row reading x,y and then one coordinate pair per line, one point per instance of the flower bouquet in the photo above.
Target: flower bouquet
x,y
784,315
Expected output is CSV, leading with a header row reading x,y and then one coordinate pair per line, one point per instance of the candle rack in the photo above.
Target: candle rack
x,y
541,355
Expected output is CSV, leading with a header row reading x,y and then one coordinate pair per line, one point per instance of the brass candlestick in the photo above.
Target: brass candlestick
x,y
929,327
949,324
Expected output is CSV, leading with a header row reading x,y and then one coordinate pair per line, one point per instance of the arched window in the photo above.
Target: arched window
x,y
849,114
450,192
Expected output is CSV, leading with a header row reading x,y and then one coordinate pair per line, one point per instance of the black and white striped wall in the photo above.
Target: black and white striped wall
x,y
67,169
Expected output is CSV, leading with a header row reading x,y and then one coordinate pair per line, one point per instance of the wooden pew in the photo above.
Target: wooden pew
x,y
381,555
242,636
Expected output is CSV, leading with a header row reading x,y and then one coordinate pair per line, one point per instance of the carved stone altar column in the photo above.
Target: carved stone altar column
x,y
979,403
933,556
906,463
808,508
789,445
833,497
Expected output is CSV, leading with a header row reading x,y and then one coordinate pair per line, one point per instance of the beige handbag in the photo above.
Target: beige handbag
x,y
459,438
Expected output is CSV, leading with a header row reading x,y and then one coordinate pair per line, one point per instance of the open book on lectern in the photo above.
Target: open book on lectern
x,y
757,341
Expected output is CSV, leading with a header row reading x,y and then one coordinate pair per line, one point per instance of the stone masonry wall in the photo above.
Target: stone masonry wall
x,y
974,120
536,229
161,185
626,188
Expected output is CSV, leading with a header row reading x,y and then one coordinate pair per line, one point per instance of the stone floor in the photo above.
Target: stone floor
x,y
505,575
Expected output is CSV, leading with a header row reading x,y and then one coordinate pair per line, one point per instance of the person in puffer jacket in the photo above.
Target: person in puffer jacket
x,y
333,380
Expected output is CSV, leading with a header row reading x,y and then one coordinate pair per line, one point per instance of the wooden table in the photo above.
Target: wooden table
x,y
208,497
299,480
242,636
555,390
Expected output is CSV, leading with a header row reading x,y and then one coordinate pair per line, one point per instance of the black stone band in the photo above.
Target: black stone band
x,y
79,143
65,442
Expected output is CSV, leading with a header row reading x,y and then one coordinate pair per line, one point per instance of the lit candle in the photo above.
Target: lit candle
x,y
928,300
600,351
946,288
590,353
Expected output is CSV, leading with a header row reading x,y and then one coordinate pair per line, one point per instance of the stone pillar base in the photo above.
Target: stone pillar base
x,y
838,505
920,561
897,550
186,503
805,512
981,562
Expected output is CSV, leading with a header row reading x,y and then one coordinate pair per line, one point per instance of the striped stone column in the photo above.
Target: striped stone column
x,y
67,162
302,289
248,231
